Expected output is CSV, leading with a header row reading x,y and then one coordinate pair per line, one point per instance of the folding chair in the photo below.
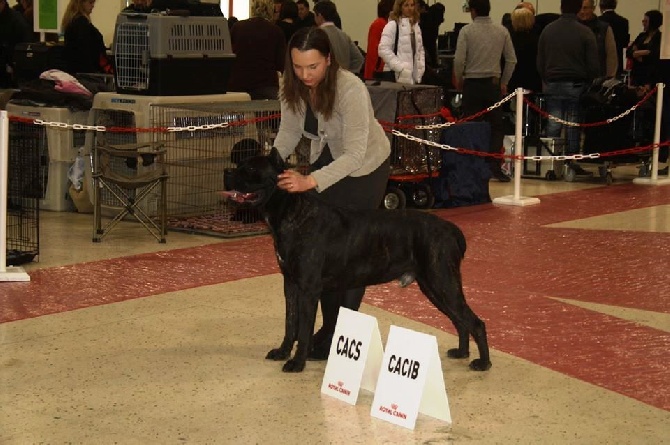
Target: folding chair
x,y
133,179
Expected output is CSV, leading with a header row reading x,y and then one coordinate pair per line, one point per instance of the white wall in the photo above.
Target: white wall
x,y
358,14
104,17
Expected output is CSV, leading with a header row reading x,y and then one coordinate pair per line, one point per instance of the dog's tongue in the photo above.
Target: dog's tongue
x,y
234,195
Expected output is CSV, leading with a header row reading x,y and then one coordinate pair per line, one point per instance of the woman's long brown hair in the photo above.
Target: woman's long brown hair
x,y
294,91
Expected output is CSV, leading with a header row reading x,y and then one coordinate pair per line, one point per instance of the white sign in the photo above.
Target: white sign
x,y
410,380
355,356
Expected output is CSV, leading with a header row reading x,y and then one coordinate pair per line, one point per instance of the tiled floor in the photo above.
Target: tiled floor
x,y
133,342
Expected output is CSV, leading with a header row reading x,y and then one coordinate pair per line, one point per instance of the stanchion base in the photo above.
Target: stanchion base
x,y
14,274
662,180
512,201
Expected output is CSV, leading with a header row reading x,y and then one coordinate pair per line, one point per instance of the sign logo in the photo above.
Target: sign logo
x,y
393,411
339,388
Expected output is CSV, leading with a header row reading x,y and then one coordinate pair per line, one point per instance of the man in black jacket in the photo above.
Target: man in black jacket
x,y
619,26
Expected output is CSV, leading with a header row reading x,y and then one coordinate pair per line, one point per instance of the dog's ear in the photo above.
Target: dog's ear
x,y
276,160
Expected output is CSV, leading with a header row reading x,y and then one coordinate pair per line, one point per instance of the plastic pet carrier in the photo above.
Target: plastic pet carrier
x,y
164,55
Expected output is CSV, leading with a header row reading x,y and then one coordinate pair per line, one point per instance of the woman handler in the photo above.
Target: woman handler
x,y
349,152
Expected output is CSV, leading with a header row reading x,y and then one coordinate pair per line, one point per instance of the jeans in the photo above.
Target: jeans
x,y
563,102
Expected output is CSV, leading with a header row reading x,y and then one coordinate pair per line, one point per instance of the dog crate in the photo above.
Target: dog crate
x,y
57,147
24,191
129,120
198,161
158,54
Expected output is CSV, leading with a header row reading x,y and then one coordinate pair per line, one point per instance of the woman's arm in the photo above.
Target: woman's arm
x,y
421,54
386,46
634,46
290,130
354,128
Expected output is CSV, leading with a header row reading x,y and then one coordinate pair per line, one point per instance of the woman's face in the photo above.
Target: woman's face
x,y
310,66
88,6
645,23
408,8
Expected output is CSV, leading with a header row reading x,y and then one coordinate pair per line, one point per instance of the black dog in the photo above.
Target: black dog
x,y
320,247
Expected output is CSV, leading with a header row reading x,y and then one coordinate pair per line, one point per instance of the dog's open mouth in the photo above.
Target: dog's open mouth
x,y
240,197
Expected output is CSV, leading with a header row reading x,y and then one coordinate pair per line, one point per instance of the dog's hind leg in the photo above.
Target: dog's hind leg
x,y
451,302
478,331
290,324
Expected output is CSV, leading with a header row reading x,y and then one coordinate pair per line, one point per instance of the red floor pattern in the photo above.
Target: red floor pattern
x,y
513,269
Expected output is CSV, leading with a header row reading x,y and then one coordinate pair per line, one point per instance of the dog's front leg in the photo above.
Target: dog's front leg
x,y
291,294
307,304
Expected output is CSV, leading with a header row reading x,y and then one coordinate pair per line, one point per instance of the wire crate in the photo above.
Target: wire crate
x,y
197,162
124,114
157,54
410,156
24,189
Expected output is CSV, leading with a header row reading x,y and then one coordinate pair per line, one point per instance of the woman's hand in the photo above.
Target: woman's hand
x,y
640,53
294,182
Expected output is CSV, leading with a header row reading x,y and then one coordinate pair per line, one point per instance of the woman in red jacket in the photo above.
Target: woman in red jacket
x,y
374,63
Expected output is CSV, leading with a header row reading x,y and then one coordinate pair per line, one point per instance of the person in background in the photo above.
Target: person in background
x,y
26,9
13,30
480,47
343,48
567,60
276,9
305,15
604,38
524,39
645,51
288,19
349,152
260,48
620,29
374,63
84,50
430,28
528,5
408,63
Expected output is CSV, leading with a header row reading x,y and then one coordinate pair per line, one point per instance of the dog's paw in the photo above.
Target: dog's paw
x,y
457,353
480,365
278,354
293,365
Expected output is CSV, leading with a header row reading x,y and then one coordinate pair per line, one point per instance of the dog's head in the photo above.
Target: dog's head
x,y
254,180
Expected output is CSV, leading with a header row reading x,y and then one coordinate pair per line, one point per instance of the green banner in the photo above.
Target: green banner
x,y
48,15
